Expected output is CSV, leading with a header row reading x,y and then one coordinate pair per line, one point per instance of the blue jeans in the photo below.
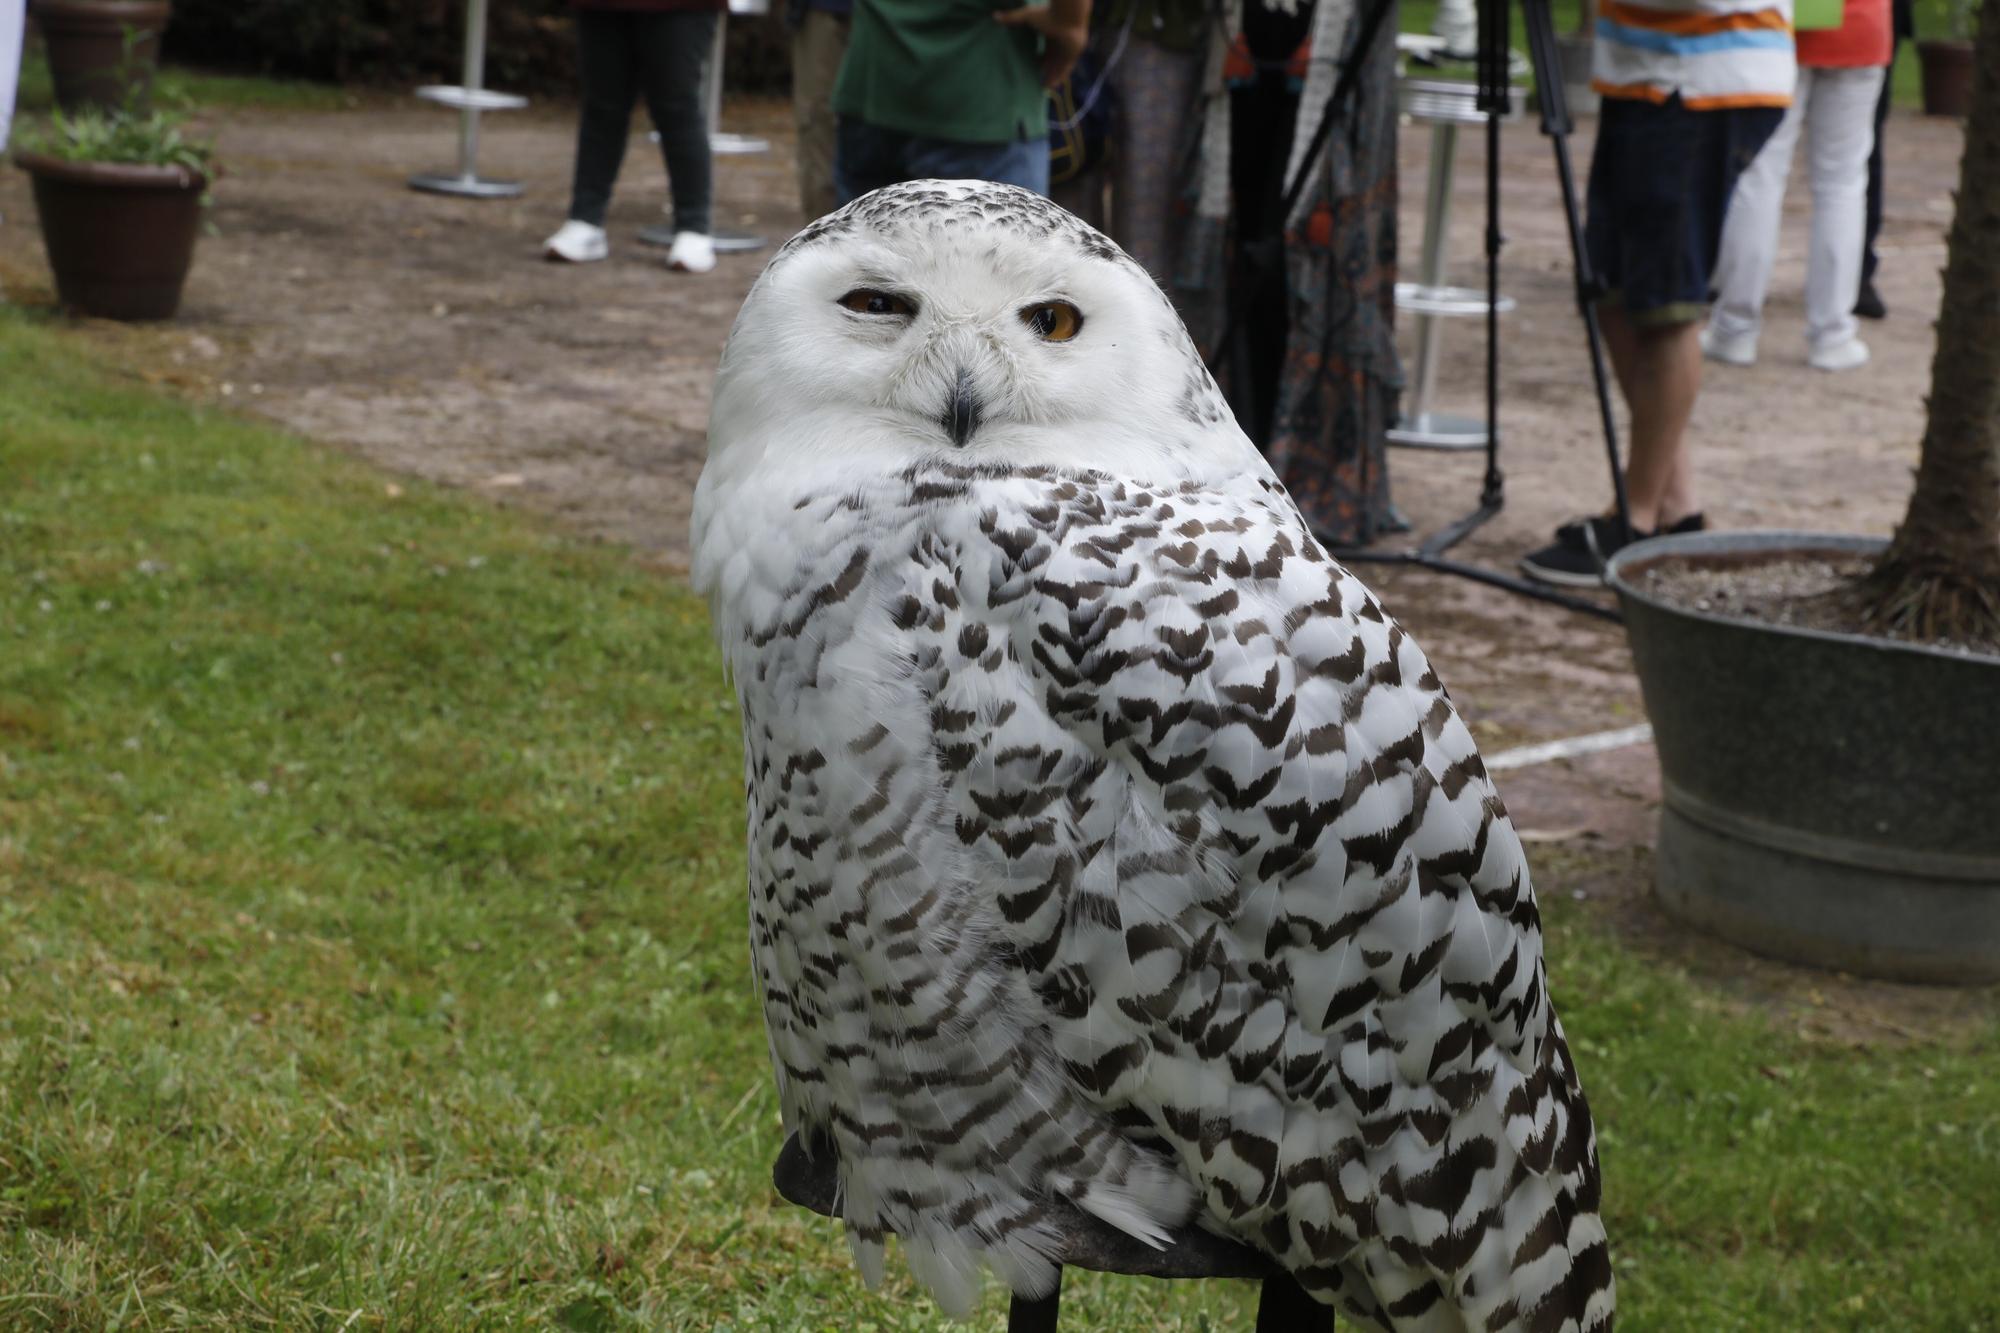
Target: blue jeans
x,y
867,157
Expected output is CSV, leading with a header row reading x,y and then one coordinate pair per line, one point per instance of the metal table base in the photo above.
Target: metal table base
x,y
1446,105
471,98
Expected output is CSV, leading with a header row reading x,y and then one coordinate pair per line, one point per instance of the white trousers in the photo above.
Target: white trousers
x,y
1836,107
13,21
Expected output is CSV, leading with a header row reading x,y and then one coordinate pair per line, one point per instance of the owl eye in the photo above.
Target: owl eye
x,y
1053,321
868,301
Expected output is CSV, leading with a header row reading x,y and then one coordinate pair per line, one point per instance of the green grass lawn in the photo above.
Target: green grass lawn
x,y
372,950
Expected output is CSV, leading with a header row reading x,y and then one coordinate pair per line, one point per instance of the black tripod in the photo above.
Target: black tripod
x,y
1494,94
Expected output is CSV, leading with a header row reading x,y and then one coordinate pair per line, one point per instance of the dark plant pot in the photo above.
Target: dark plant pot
x,y
87,49
120,238
1828,798
1947,76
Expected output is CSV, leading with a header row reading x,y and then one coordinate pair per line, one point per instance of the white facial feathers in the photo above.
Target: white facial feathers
x,y
952,362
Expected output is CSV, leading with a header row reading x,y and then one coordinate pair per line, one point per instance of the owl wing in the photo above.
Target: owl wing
x,y
1280,924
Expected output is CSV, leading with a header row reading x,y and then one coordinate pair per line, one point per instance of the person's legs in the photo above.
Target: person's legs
x,y
817,48
1873,227
673,50
1839,134
1158,91
1023,162
1659,373
609,75
1749,246
1660,181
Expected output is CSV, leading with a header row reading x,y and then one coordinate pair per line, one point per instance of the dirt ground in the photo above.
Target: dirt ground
x,y
424,334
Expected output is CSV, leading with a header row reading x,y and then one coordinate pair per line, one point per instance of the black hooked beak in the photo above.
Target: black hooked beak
x,y
961,415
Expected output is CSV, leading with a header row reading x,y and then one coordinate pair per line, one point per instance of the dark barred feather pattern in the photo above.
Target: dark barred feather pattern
x,y
1111,844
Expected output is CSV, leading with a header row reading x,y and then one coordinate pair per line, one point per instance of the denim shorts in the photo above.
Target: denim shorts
x,y
1660,180
867,157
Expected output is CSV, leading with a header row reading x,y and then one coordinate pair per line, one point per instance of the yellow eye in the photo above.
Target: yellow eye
x,y
868,301
1054,321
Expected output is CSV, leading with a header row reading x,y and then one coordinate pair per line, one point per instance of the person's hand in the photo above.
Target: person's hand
x,y
1065,28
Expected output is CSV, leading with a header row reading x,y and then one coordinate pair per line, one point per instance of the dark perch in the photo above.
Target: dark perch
x,y
1284,1307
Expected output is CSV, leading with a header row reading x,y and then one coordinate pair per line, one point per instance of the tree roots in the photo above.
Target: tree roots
x,y
1927,601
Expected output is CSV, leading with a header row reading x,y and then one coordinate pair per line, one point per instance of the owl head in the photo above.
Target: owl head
x,y
970,322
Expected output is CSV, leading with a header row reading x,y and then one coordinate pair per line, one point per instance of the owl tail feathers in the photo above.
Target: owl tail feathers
x,y
1147,1202
1143,1197
950,1268
949,1262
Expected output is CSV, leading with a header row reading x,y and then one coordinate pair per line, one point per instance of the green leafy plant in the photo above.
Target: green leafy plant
x,y
153,138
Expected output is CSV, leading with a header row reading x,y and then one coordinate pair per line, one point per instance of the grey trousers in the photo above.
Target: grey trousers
x,y
620,55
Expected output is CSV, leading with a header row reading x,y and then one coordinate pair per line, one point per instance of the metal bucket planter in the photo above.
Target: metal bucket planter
x,y
1828,798
120,238
102,52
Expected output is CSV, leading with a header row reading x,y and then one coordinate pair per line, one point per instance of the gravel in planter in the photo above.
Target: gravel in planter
x,y
1788,590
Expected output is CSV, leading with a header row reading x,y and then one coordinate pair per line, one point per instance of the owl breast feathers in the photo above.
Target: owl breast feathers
x,y
1110,844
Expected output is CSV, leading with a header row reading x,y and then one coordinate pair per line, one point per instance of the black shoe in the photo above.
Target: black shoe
x,y
1869,305
1576,558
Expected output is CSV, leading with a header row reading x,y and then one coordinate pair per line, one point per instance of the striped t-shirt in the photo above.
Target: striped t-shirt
x,y
1714,53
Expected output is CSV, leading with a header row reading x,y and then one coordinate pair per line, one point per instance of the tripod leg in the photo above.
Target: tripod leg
x,y
1496,94
1556,125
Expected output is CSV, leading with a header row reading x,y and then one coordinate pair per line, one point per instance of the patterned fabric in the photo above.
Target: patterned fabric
x,y
1177,25
1341,378
1714,53
1157,94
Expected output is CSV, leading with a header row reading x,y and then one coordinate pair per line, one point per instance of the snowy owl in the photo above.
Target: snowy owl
x,y
1108,843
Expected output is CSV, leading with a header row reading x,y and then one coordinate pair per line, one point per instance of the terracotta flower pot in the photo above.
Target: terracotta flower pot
x,y
88,55
1947,76
120,238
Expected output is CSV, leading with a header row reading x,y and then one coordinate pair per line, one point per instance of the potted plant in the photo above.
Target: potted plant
x,y
1831,786
120,198
1946,64
101,52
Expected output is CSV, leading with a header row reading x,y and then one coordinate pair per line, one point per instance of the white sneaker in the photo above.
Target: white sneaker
x,y
576,243
1731,349
1841,356
691,252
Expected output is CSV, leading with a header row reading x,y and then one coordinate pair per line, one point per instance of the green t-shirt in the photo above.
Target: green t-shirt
x,y
943,69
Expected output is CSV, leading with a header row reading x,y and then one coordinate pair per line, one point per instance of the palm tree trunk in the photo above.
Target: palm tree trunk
x,y
1941,574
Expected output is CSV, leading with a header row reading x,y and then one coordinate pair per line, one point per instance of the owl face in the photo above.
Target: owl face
x,y
966,321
